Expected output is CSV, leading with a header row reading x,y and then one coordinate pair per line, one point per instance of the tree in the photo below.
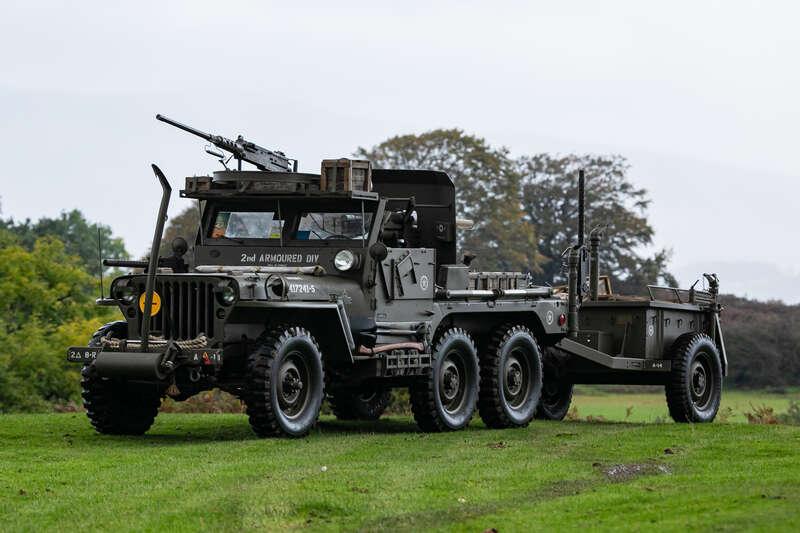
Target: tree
x,y
183,225
550,200
78,235
46,304
487,191
526,209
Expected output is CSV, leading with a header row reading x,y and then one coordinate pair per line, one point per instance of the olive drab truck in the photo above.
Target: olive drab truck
x,y
302,288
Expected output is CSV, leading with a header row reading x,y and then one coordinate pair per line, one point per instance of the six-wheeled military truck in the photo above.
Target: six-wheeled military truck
x,y
345,284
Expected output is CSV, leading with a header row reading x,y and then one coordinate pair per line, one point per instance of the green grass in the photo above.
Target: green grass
x,y
651,406
208,472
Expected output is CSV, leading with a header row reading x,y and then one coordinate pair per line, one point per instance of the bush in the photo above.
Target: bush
x,y
46,305
763,343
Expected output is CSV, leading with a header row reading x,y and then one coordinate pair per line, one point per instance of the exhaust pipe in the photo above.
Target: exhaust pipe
x,y
575,256
152,266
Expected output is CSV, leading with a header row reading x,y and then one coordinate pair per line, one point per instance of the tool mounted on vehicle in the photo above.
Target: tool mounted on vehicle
x,y
240,149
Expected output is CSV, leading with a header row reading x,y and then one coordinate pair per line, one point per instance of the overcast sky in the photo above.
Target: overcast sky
x,y
703,98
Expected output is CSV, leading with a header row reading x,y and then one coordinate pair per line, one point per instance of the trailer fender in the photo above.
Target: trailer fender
x,y
721,345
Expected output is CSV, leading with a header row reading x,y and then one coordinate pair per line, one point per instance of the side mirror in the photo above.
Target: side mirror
x,y
378,251
179,246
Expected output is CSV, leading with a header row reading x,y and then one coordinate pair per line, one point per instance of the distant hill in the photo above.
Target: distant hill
x,y
762,341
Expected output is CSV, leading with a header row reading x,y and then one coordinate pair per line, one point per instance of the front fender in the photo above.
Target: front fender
x,y
327,321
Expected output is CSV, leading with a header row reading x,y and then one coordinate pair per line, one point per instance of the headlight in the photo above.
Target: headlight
x,y
227,294
345,260
125,293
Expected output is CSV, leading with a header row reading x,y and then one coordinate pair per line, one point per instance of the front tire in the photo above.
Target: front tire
x,y
362,403
116,406
694,390
284,387
511,378
445,399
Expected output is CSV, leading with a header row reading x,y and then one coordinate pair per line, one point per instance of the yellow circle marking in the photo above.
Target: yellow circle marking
x,y
155,307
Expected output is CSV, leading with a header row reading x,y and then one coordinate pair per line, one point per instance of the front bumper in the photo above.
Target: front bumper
x,y
155,365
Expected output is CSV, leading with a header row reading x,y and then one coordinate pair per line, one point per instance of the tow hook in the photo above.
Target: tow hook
x,y
167,365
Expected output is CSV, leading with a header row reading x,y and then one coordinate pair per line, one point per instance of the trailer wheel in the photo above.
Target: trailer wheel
x,y
284,384
556,396
364,403
445,399
511,378
116,406
694,389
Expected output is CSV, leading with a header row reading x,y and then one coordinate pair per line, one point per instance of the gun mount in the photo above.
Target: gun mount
x,y
241,149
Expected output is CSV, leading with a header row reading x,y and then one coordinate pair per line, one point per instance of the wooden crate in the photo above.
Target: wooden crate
x,y
345,175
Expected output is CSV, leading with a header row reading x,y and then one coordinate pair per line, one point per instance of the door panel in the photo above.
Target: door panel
x,y
407,274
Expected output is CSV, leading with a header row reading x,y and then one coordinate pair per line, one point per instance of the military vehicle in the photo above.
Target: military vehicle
x,y
345,284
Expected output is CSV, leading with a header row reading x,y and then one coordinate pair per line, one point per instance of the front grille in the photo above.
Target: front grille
x,y
187,309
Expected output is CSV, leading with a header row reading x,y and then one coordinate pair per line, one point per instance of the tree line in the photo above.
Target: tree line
x,y
525,213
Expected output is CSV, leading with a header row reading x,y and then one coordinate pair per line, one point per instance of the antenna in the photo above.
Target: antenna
x,y
581,207
100,258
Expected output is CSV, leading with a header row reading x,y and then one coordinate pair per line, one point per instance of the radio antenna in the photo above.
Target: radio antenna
x,y
100,259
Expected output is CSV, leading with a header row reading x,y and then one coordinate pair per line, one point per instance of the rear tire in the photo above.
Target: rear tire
x,y
362,403
284,386
511,378
445,399
116,406
556,393
694,390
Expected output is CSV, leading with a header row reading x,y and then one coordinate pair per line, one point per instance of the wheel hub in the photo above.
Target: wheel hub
x,y
701,382
292,385
516,382
452,382
514,378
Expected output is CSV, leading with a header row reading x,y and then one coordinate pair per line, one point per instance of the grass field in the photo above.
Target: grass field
x,y
208,472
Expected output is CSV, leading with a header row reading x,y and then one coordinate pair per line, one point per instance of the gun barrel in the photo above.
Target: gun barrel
x,y
184,127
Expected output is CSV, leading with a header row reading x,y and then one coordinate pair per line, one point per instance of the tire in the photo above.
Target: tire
x,y
116,406
511,378
365,403
694,389
445,399
284,384
556,395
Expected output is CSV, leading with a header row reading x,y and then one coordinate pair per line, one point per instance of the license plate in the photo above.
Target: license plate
x,y
663,365
204,357
82,354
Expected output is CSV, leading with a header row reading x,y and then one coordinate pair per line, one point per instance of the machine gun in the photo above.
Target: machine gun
x,y
241,149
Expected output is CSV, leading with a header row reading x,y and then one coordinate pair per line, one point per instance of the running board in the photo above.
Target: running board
x,y
617,363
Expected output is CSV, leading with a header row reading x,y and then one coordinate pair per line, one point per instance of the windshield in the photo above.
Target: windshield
x,y
246,225
292,220
324,226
